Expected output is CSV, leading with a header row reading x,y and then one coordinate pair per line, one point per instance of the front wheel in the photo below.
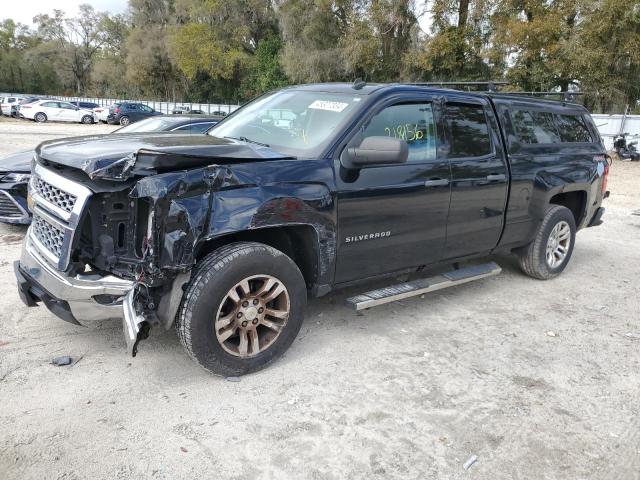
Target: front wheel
x,y
242,308
87,119
550,251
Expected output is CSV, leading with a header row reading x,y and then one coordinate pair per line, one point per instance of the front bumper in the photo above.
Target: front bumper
x,y
81,299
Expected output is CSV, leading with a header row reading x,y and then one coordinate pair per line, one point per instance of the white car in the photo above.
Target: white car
x,y
56,111
102,113
6,102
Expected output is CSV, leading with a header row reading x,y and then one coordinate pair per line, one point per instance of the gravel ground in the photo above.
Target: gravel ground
x,y
539,380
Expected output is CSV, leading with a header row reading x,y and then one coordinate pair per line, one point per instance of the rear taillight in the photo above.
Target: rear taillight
x,y
25,106
117,110
605,177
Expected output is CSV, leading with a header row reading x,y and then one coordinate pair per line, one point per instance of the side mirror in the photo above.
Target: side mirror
x,y
376,151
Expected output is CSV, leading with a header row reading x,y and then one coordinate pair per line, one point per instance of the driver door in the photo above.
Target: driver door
x,y
394,217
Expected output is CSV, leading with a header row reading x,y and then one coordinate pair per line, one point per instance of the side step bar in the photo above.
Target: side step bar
x,y
423,285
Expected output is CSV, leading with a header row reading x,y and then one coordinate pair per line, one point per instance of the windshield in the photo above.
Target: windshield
x,y
294,122
154,124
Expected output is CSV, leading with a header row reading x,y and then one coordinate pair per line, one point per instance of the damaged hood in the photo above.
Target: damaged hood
x,y
120,156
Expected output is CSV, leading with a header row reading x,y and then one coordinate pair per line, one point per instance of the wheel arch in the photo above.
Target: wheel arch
x,y
575,200
299,242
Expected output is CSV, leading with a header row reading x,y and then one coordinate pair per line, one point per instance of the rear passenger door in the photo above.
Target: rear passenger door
x,y
479,177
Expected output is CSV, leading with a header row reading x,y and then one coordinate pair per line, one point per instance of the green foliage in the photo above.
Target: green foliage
x,y
232,50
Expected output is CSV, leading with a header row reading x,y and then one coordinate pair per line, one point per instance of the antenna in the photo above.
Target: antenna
x,y
358,84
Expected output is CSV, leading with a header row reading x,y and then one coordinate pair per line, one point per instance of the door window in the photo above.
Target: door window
x,y
469,131
411,122
51,105
146,109
532,126
572,129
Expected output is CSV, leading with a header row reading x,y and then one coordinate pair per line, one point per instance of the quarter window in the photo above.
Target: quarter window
x,y
534,127
413,123
572,129
469,131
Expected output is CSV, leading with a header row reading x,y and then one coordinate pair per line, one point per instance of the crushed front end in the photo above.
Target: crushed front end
x,y
90,253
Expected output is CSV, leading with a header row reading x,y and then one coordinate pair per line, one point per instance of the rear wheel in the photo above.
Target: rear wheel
x,y
124,121
87,119
549,253
242,308
40,117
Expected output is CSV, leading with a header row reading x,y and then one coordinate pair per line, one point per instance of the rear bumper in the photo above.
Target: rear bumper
x,y
597,218
81,299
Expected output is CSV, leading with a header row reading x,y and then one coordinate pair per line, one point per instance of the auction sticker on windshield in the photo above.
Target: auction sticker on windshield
x,y
328,105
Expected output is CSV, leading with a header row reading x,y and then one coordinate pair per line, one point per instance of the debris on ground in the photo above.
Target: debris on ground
x,y
632,335
470,461
636,212
184,449
232,379
551,333
62,361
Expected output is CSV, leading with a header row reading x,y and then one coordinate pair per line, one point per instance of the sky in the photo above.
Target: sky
x,y
23,11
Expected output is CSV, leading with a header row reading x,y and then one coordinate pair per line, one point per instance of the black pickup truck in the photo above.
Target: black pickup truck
x,y
298,193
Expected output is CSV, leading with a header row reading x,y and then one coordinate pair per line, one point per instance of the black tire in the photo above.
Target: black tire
x,y
124,121
211,280
40,117
533,257
87,120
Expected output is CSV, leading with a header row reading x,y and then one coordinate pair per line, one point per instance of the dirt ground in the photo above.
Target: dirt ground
x,y
539,380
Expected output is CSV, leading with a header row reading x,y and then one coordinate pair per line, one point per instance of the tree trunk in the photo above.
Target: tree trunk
x,y
463,13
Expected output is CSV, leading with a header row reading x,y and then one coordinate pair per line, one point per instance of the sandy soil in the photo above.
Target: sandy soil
x,y
539,380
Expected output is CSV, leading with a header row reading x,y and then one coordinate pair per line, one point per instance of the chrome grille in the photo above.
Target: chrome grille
x,y
57,209
54,195
48,235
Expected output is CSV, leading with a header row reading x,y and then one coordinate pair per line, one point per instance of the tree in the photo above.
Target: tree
x,y
215,44
456,50
75,42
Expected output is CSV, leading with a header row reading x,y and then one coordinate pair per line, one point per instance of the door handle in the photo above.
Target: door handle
x,y
496,177
437,182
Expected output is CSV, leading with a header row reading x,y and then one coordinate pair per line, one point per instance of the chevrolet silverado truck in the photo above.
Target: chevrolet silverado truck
x,y
298,193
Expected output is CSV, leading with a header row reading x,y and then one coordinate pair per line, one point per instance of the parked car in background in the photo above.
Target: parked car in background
x,y
14,178
102,113
125,113
15,107
171,123
56,111
219,113
7,102
15,169
184,110
85,105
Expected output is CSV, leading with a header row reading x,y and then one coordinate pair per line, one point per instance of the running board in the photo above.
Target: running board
x,y
423,285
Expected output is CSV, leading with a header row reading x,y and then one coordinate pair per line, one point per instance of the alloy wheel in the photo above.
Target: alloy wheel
x,y
558,244
252,315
